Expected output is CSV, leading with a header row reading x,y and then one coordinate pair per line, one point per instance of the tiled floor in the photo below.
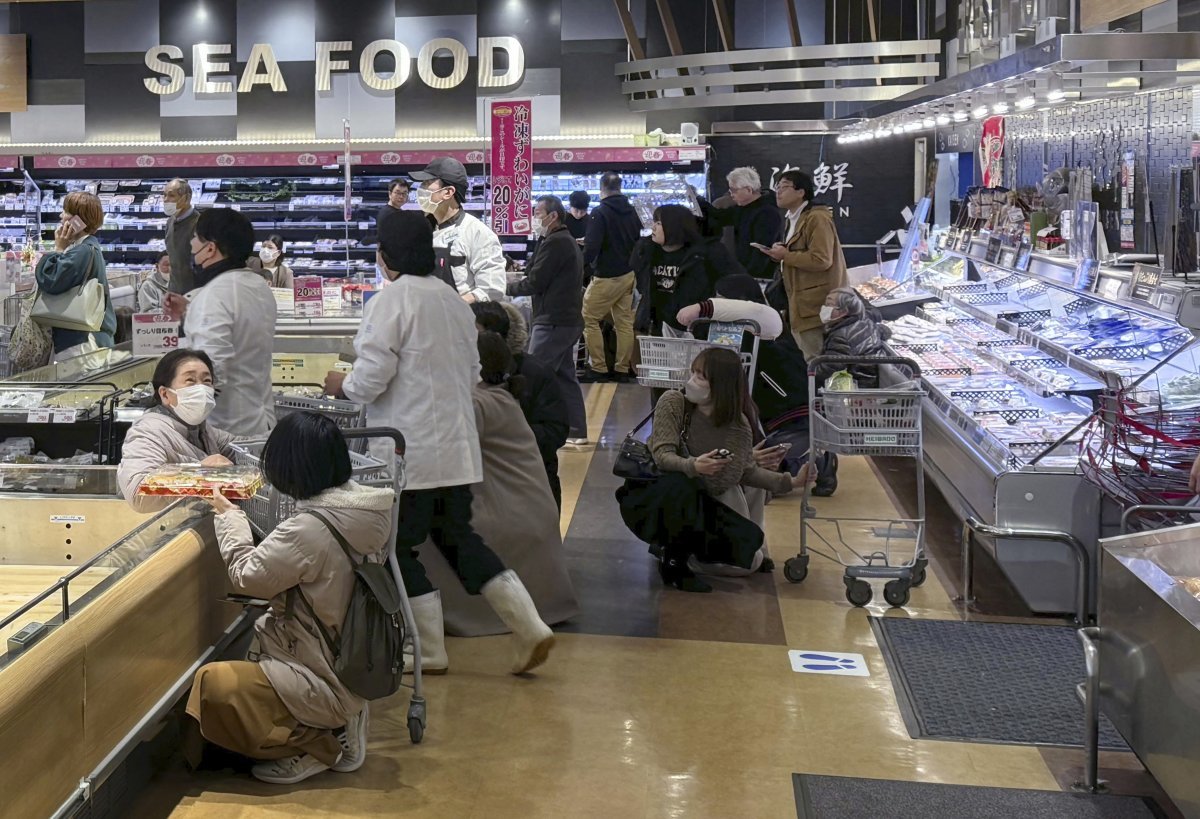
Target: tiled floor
x,y
655,703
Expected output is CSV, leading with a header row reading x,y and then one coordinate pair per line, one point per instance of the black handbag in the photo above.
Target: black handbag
x,y
634,461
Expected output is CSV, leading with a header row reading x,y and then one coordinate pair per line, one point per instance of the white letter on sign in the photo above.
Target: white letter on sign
x,y
172,73
202,68
487,65
458,52
366,65
327,65
270,75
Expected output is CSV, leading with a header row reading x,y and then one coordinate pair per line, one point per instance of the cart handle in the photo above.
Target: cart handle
x,y
377,432
863,359
1141,508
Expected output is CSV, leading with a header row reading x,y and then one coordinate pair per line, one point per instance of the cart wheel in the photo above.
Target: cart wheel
x,y
858,592
795,569
895,592
416,731
919,572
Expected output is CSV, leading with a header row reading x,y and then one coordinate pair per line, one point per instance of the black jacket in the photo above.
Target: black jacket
x,y
705,262
611,235
854,336
759,222
781,369
543,407
555,280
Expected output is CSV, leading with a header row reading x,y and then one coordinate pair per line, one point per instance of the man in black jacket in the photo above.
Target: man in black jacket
x,y
555,281
614,229
756,220
541,402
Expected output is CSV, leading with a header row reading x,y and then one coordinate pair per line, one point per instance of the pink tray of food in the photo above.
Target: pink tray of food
x,y
234,482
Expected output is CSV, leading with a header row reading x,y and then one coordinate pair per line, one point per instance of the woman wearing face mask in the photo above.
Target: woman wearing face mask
x,y
275,270
852,328
696,512
173,431
231,317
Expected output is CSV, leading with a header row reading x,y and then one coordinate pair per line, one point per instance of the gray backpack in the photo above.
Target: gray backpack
x,y
368,654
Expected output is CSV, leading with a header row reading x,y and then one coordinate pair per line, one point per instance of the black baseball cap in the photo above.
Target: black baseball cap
x,y
448,171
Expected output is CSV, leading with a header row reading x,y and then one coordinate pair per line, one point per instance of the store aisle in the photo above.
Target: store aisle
x,y
656,703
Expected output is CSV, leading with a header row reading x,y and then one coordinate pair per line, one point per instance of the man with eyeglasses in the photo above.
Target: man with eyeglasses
x,y
755,220
811,259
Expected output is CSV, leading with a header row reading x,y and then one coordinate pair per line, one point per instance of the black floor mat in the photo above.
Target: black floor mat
x,y
836,797
988,682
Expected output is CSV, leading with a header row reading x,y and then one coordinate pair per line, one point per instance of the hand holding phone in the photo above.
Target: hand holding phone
x,y
759,246
75,226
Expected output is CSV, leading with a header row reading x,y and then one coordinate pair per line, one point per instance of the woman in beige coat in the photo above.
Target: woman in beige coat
x,y
514,482
285,704
174,430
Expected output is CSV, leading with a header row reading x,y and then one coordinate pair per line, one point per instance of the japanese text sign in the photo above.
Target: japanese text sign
x,y
154,334
309,296
512,167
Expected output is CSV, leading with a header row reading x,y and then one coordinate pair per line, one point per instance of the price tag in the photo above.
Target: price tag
x,y
285,299
62,416
154,334
38,416
331,298
364,225
309,295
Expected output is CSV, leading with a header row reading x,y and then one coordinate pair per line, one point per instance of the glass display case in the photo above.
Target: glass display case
x,y
1018,355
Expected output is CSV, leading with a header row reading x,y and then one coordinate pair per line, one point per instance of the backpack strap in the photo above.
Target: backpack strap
x,y
333,642
338,537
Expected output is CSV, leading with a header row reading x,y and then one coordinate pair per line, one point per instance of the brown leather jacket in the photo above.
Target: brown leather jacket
x,y
813,266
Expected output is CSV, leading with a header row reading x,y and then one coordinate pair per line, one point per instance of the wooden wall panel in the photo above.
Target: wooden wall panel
x,y
28,537
13,72
1098,12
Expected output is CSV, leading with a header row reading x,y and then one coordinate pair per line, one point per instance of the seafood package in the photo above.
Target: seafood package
x,y
179,480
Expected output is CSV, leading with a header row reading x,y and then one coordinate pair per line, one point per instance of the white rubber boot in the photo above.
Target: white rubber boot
x,y
427,617
532,639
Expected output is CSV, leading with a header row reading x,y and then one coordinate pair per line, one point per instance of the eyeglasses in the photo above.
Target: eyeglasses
x,y
785,186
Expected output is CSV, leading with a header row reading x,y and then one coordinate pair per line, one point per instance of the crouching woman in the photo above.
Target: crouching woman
x,y
696,511
284,705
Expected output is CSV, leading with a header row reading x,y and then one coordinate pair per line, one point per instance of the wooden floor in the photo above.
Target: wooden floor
x,y
20,584
655,703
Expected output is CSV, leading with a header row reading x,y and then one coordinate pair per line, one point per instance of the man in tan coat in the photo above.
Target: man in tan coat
x,y
810,259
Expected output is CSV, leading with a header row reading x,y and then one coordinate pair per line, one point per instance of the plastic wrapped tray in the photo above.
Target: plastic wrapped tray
x,y
192,480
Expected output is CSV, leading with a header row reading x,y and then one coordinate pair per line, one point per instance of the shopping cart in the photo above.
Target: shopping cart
x,y
667,362
878,422
346,414
269,507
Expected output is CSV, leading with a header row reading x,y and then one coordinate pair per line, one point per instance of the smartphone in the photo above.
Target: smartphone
x,y
75,225
784,446
759,246
723,454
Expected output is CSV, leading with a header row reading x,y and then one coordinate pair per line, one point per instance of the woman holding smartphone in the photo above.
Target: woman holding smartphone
x,y
76,258
702,443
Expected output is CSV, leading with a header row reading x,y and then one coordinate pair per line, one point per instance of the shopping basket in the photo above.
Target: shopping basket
x,y
346,414
666,362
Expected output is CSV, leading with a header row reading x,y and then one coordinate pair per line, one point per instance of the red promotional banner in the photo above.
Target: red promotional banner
x,y
512,167
991,152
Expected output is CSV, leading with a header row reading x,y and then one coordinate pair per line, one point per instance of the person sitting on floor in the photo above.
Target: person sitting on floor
x,y
512,483
174,430
541,400
285,704
696,511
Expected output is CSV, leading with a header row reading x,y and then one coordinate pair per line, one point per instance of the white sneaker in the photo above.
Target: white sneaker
x,y
289,771
577,442
353,739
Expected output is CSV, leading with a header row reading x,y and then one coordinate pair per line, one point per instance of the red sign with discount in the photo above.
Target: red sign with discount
x,y
512,167
154,334
309,292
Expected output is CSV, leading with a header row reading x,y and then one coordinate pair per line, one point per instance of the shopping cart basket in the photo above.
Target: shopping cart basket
x,y
346,414
666,362
269,507
873,422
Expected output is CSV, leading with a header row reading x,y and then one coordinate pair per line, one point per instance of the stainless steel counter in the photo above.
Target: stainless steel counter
x,y
1150,654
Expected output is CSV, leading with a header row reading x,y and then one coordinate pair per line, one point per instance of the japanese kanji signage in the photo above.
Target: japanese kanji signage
x,y
512,167
840,175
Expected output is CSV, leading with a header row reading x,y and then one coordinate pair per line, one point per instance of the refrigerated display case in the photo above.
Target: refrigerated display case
x,y
1016,361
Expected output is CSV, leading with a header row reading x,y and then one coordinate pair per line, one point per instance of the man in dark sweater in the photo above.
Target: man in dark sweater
x,y
555,281
614,230
756,220
181,225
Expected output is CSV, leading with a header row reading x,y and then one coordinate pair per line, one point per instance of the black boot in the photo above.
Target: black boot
x,y
675,572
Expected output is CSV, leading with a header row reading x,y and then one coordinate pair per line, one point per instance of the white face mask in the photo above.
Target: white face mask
x,y
539,229
268,255
170,208
194,403
425,200
696,392
826,313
